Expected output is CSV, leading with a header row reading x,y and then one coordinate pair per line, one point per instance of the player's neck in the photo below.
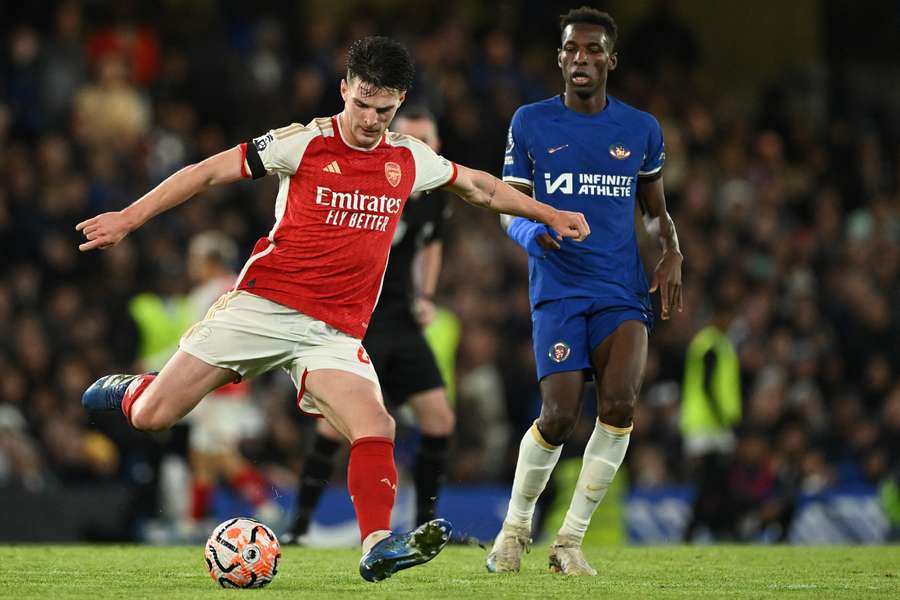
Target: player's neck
x,y
346,132
592,104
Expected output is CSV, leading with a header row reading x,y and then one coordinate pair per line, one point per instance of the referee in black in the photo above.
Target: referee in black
x,y
404,362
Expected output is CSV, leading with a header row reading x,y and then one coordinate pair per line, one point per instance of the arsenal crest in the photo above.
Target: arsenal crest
x,y
393,173
619,152
559,352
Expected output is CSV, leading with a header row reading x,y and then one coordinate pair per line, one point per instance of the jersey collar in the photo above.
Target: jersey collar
x,y
611,103
337,126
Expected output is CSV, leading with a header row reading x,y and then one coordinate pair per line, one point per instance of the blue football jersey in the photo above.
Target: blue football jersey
x,y
588,163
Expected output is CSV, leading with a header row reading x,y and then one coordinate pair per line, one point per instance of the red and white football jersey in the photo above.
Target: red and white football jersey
x,y
335,215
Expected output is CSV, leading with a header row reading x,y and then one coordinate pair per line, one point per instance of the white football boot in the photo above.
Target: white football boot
x,y
511,543
566,557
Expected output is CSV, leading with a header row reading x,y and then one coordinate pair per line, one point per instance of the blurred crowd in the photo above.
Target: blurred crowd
x,y
786,200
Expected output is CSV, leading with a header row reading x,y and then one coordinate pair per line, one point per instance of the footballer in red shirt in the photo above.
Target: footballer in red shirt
x,y
303,300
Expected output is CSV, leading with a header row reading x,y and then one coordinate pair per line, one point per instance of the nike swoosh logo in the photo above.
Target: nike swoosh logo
x,y
557,149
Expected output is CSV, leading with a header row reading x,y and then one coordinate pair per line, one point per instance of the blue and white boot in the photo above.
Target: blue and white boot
x,y
107,392
404,550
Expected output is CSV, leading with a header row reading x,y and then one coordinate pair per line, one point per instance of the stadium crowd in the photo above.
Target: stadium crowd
x,y
787,202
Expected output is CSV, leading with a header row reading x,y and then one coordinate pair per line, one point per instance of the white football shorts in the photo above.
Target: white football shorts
x,y
251,335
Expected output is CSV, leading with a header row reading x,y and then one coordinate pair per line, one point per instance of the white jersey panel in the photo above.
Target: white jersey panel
x,y
432,170
281,150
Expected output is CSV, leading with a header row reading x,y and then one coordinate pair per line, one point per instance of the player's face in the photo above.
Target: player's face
x,y
585,57
367,114
421,129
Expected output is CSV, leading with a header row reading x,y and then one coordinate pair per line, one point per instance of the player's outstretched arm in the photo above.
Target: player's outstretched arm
x,y
485,190
667,276
109,228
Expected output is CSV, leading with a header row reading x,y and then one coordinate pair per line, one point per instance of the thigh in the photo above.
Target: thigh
x,y
182,383
350,403
324,348
560,336
562,393
620,360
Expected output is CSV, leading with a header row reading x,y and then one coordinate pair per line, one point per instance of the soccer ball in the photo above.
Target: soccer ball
x,y
242,553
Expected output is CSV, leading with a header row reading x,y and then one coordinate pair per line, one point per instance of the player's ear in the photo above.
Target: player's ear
x,y
559,54
345,89
612,62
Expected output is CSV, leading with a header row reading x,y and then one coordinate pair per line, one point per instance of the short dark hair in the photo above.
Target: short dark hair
x,y
381,63
592,16
416,112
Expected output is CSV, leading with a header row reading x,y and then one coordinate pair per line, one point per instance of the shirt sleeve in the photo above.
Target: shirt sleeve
x,y
432,170
654,154
277,152
517,165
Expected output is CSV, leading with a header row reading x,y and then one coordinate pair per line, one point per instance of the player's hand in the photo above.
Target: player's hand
x,y
423,310
568,224
667,278
104,230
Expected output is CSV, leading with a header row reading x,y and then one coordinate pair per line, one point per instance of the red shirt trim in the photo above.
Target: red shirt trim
x,y
244,172
454,176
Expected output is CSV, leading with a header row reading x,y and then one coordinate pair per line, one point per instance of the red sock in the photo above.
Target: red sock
x,y
135,389
251,485
201,497
372,481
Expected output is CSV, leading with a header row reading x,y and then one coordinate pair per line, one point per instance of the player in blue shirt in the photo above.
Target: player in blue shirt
x,y
585,150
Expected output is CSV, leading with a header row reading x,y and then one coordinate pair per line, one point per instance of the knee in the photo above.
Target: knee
x,y
617,404
147,414
381,425
556,425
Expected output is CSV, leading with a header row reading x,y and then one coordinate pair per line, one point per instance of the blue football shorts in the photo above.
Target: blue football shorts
x,y
564,332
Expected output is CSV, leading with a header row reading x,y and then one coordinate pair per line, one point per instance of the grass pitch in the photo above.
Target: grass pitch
x,y
132,572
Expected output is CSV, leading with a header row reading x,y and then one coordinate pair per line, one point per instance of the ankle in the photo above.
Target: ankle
x,y
373,538
568,539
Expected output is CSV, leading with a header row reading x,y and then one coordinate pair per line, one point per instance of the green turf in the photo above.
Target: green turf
x,y
755,572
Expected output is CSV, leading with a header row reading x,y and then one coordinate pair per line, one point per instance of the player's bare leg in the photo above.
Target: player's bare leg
x,y
436,422
619,364
156,402
353,406
178,388
538,454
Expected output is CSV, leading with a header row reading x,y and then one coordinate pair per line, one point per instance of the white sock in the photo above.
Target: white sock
x,y
533,468
373,538
602,457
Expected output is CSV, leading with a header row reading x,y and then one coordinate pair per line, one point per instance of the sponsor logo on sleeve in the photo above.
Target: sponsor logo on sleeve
x,y
262,141
393,173
510,143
